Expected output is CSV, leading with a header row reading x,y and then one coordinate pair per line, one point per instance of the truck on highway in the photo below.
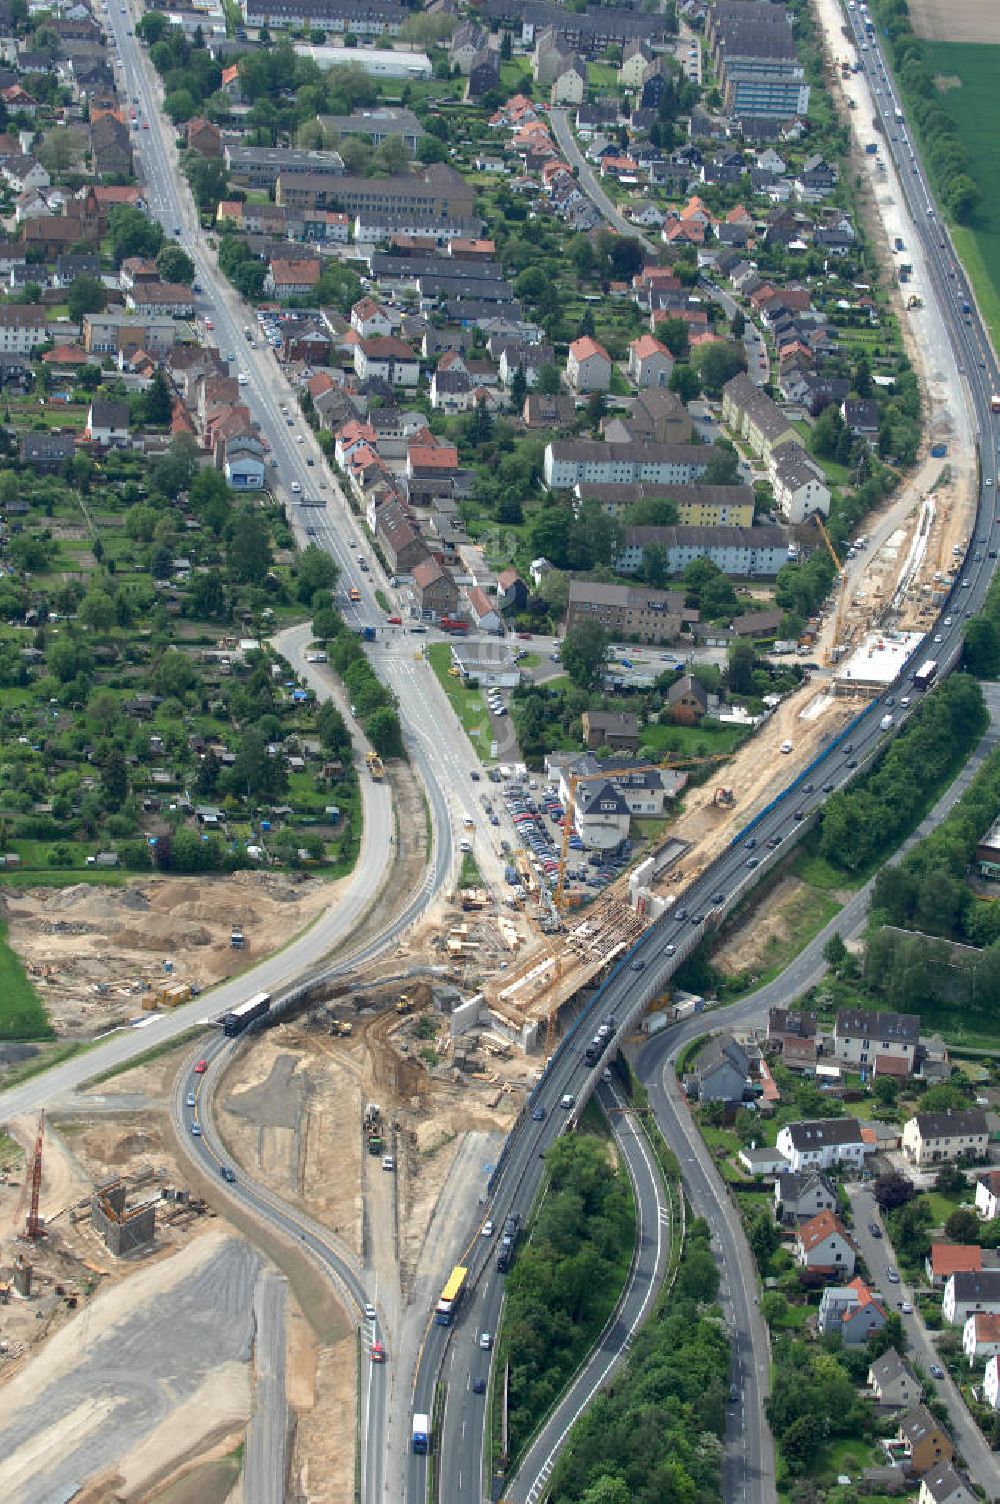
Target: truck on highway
x,y
421,1433
375,768
925,674
451,1295
995,402
244,1014
508,1243
886,722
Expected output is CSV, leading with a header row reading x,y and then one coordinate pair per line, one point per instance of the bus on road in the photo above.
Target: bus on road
x,y
451,1295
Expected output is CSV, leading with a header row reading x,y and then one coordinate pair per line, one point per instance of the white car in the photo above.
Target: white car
x,y
299,439
243,378
485,1341
296,487
486,1231
369,1310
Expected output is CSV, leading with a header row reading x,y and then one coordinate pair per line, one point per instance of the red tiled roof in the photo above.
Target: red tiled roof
x,y
955,1258
818,1229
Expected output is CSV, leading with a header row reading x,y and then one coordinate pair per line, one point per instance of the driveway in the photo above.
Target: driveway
x,y
878,1253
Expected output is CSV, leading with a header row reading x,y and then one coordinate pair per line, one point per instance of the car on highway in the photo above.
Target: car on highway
x,y
201,1067
388,1163
196,1129
486,1231
937,1372
638,966
567,1100
192,1100
874,1229
378,1353
753,861
486,1340
479,1386
538,1115
227,1174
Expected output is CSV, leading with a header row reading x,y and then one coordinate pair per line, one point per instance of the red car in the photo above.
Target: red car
x,y
378,1353
524,636
201,1067
395,621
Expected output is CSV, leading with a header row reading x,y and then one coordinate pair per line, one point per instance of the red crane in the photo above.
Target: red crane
x,y
33,1227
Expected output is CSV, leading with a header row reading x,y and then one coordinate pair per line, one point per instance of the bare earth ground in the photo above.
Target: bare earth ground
x,y
147,1374
73,939
956,20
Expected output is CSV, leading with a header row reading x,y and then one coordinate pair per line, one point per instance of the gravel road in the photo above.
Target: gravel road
x,y
127,1362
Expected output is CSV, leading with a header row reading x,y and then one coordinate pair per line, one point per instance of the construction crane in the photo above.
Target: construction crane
x,y
830,654
577,778
32,1186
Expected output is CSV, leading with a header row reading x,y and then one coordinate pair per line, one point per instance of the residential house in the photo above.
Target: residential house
x,y
601,815
991,1383
484,73
434,590
946,1259
790,1023
752,415
944,1484
657,80
291,279
822,1143
467,41
203,137
937,1137
570,83
645,790
721,1070
852,1312
541,411
166,299
760,1161
22,328
631,611
893,1383
636,58
69,267
650,363
802,1194
386,360
399,539
371,320
47,452
243,462
981,1337
574,462
111,147
688,701
610,728
968,1295
108,424
23,174
588,366
822,1244
926,1441
484,614
860,415
512,592
988,1195
862,1036
798,483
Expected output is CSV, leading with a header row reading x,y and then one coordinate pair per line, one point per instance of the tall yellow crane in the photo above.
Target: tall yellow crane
x,y
577,778
838,619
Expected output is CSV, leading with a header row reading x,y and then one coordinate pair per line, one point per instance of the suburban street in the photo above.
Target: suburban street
x,y
565,140
878,1253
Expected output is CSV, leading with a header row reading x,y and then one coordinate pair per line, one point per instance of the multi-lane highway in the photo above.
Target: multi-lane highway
x,y
646,971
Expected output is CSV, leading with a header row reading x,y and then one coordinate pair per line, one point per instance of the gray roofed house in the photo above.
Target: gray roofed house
x,y
376,126
801,1194
863,1036
821,1143
944,1484
934,1137
721,1070
47,452
893,1382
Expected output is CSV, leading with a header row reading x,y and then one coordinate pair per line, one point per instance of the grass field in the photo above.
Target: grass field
x,y
21,1013
468,704
975,108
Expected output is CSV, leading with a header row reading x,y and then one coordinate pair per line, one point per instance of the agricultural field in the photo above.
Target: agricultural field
x,y
966,76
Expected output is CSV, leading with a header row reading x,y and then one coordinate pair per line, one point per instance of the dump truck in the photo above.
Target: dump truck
x,y
405,1003
375,767
372,1128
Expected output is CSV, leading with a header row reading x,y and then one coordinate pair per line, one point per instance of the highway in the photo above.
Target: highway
x,y
646,971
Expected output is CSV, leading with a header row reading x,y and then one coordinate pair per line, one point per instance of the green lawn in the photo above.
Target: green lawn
x,y
975,108
21,1013
693,741
468,704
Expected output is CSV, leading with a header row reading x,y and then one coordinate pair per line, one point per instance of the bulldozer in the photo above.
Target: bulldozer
x,y
405,1004
723,798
